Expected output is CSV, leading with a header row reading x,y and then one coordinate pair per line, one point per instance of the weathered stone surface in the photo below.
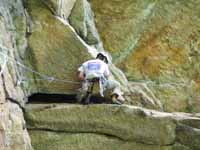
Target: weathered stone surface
x,y
13,135
62,43
189,136
61,8
128,126
140,95
2,93
178,146
81,18
124,122
65,7
12,47
55,50
195,123
155,41
81,141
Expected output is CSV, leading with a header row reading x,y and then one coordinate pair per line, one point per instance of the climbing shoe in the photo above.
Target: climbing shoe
x,y
116,100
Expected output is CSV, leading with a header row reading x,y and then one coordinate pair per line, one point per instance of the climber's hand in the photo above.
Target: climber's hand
x,y
81,76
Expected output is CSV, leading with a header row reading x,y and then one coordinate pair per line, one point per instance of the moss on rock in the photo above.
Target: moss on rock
x,y
58,126
123,122
56,50
189,136
154,40
81,18
84,141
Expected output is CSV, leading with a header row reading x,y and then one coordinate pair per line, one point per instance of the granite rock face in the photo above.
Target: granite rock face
x,y
128,126
51,36
157,43
12,47
13,43
54,49
82,19
13,133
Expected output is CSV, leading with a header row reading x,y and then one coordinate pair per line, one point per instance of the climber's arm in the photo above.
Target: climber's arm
x,y
81,72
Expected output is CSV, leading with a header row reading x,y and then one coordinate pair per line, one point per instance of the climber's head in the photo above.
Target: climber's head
x,y
102,56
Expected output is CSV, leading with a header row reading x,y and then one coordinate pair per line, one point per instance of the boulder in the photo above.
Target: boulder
x,y
81,18
54,51
107,127
126,123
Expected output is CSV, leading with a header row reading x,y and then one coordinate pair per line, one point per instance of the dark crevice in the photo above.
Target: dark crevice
x,y
48,7
61,98
7,97
16,102
51,98
4,86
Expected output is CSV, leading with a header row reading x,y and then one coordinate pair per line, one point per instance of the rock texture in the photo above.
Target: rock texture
x,y
13,133
157,43
11,49
51,44
81,18
50,36
123,127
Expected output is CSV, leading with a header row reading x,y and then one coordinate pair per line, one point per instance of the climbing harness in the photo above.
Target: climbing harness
x,y
86,99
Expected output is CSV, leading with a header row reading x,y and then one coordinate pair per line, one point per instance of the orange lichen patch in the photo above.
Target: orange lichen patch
x,y
175,104
153,57
147,61
198,84
198,81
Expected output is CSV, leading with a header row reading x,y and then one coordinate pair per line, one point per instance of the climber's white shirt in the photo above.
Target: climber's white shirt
x,y
94,68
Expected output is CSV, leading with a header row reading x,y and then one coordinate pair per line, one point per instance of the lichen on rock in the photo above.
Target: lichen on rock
x,y
82,19
155,42
52,44
13,134
132,127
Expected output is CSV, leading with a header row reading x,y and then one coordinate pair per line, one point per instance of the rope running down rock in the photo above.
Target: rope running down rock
x,y
43,76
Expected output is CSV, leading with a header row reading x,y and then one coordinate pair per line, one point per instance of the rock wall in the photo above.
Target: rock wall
x,y
51,36
157,43
13,133
110,127
51,44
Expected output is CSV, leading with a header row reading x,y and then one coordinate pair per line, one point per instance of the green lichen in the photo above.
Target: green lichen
x,y
81,19
125,123
81,141
147,42
56,50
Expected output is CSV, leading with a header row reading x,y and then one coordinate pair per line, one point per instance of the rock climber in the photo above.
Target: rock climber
x,y
98,68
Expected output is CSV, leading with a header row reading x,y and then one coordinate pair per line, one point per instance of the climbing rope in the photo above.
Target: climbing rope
x,y
43,76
